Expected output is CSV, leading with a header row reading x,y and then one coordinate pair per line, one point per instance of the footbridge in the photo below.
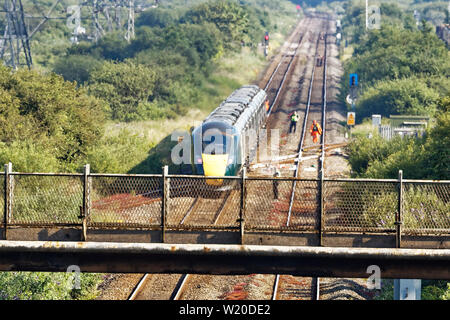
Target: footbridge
x,y
250,224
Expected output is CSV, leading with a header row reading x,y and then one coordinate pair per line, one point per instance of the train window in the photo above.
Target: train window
x,y
215,143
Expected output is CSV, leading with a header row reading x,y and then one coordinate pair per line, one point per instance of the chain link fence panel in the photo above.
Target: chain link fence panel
x,y
125,201
46,200
360,206
197,202
193,202
269,205
426,207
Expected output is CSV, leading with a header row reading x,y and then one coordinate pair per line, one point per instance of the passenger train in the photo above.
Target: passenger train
x,y
220,143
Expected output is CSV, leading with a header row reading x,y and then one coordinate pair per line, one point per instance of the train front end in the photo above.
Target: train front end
x,y
215,145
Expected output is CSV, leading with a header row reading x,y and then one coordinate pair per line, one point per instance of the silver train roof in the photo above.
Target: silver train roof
x,y
238,108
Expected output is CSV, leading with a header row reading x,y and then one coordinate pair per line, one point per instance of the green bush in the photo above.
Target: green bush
x,y
156,18
446,294
124,86
76,67
230,18
422,158
46,118
393,53
47,286
28,156
379,209
118,154
437,147
363,152
432,293
47,199
408,157
422,209
409,96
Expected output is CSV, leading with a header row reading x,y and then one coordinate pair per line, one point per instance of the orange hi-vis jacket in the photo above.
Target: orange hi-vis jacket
x,y
317,130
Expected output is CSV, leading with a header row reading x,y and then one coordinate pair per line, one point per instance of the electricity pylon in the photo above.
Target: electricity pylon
x,y
14,45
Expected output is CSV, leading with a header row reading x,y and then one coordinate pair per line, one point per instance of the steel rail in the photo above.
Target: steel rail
x,y
284,76
222,207
316,293
180,287
197,201
302,138
139,286
324,107
322,157
194,203
276,284
269,82
315,281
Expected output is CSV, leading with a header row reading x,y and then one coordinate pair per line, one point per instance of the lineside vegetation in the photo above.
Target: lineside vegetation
x,y
404,69
59,116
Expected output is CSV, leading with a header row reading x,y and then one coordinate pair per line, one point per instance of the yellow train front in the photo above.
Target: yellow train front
x,y
222,142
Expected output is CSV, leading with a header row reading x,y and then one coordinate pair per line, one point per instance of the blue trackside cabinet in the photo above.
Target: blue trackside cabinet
x,y
353,80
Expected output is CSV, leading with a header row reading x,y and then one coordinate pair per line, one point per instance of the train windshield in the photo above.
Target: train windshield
x,y
216,142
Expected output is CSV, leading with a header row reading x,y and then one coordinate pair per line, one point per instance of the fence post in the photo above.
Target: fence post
x,y
164,202
85,213
8,196
321,212
242,206
398,218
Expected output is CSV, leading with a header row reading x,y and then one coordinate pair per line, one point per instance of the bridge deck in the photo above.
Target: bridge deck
x,y
223,259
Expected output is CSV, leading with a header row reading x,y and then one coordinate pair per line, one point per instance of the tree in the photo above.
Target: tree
x,y
409,96
437,148
43,114
395,53
125,86
76,67
230,18
156,18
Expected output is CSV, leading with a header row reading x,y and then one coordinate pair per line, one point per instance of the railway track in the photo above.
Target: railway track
x,y
207,211
275,85
288,286
202,212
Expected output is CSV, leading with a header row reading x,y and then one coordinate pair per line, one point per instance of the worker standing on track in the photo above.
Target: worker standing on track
x,y
316,131
267,104
294,120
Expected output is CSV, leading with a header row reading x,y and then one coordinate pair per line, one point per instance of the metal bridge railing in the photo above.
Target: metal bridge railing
x,y
268,201
121,200
161,202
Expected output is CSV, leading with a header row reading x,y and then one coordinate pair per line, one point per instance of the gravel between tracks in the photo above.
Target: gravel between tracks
x,y
159,287
248,287
118,286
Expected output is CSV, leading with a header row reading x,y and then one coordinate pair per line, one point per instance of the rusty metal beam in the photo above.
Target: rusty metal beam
x,y
223,259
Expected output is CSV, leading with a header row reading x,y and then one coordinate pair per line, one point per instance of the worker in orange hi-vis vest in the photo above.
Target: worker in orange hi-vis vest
x,y
316,131
267,104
